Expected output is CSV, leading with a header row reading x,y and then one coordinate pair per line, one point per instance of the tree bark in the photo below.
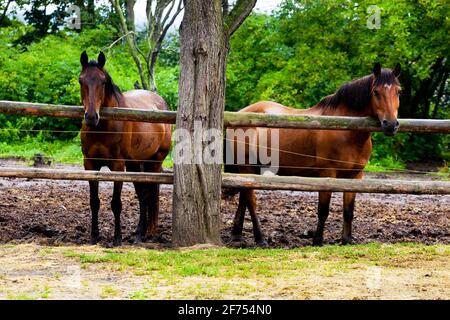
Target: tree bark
x,y
130,14
197,186
204,37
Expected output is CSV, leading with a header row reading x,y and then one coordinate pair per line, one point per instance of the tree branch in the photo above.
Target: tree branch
x,y
237,15
225,7
172,20
131,40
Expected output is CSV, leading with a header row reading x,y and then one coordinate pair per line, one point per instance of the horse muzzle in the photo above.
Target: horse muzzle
x,y
390,128
92,120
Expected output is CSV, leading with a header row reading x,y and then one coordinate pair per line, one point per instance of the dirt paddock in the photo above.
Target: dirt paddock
x,y
44,229
57,213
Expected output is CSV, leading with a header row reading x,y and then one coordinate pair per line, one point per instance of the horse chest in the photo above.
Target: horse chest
x,y
101,145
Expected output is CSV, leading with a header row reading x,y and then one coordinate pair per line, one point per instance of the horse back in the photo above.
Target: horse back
x,y
144,140
305,152
143,99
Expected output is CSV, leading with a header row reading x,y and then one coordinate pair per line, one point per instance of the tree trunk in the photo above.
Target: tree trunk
x,y
439,94
151,69
130,14
197,186
5,10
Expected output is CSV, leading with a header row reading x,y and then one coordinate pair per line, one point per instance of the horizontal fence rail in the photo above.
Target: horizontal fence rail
x,y
231,119
241,181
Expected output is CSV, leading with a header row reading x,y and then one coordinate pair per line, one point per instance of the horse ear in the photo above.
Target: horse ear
x,y
101,60
396,70
84,60
377,69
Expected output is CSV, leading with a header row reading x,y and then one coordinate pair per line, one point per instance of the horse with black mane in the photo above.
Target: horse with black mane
x,y
321,153
136,146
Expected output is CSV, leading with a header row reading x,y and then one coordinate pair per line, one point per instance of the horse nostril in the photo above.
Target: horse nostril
x,y
385,123
397,124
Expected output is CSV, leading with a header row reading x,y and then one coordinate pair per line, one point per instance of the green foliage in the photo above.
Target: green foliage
x,y
296,56
309,48
47,72
59,151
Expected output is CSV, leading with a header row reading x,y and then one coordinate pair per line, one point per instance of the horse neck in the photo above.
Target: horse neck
x,y
343,110
111,101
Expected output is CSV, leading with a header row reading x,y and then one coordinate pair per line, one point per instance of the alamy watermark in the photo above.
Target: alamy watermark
x,y
73,277
73,21
374,18
251,147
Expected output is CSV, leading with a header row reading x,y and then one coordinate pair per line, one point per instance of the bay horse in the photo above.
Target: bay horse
x,y
322,153
136,146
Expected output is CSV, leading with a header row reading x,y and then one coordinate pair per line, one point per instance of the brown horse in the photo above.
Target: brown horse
x,y
322,153
136,146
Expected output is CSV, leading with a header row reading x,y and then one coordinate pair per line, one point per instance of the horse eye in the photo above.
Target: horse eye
x,y
375,93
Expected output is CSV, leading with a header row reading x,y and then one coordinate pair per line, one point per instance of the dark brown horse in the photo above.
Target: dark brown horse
x,y
136,146
323,153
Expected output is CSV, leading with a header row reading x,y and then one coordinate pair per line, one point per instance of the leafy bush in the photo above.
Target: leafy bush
x,y
47,72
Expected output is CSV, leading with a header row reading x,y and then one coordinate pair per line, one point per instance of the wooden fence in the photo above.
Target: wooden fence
x,y
234,119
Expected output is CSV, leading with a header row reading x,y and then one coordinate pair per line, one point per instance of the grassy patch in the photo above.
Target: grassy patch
x,y
375,270
35,294
57,151
68,152
247,263
109,292
386,164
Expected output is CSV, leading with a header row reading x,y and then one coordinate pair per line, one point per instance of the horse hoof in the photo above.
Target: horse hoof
x,y
346,241
318,242
262,244
93,241
237,243
237,238
117,242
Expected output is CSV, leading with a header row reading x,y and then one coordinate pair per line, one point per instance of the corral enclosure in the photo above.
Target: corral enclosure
x,y
296,54
406,230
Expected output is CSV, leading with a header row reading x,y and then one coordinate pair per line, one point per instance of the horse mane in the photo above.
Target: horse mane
x,y
111,89
356,94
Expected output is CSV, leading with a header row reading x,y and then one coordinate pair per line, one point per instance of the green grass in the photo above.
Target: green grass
x,y
63,152
69,152
36,293
367,271
383,165
108,292
57,151
246,263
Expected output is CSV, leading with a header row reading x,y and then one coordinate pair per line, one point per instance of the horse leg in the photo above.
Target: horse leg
x,y
238,223
349,206
257,232
116,207
95,207
322,214
94,201
142,194
153,193
153,210
116,203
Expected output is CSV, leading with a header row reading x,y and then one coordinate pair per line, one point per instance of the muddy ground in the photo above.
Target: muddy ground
x,y
57,212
